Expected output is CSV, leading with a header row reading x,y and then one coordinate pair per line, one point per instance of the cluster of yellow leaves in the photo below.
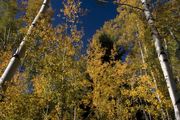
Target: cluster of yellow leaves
x,y
121,89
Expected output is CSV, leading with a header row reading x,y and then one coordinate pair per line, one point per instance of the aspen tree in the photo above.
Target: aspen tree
x,y
163,61
61,80
17,102
130,81
15,60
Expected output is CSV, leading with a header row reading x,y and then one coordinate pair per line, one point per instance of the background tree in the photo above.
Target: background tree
x,y
135,78
120,78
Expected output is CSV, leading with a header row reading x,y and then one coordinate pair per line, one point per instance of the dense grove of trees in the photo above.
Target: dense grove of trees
x,y
120,77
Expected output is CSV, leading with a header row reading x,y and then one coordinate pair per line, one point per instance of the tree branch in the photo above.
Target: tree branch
x,y
128,5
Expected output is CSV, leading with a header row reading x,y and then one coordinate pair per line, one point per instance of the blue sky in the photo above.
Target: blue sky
x,y
97,14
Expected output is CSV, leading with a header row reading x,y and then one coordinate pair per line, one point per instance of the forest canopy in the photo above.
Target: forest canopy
x,y
129,71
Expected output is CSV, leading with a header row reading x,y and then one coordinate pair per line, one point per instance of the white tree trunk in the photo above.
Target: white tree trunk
x,y
16,58
158,97
154,80
165,66
74,113
142,53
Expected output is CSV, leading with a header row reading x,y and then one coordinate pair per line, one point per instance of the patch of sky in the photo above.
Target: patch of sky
x,y
98,12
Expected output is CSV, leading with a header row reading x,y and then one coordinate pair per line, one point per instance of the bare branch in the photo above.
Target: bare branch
x,y
128,5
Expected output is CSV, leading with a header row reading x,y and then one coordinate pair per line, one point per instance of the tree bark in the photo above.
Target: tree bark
x,y
20,52
165,66
74,113
141,50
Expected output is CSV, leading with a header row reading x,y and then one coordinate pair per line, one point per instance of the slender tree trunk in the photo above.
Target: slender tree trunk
x,y
74,113
141,50
165,66
158,97
168,117
177,41
154,80
173,36
63,82
178,48
147,117
19,54
165,44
